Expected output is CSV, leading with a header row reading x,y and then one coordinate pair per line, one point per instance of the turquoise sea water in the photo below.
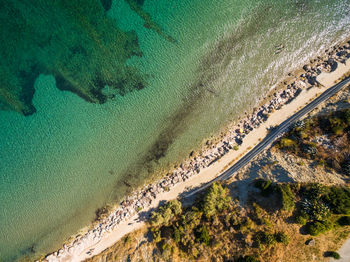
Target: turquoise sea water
x,y
58,165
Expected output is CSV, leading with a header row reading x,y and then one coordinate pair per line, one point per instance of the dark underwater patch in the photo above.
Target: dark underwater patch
x,y
136,6
73,40
107,4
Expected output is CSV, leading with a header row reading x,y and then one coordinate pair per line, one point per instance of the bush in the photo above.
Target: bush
x,y
265,186
333,254
302,134
338,130
175,206
246,224
194,252
313,191
302,218
247,259
191,219
315,228
264,238
166,213
281,237
338,199
287,197
344,221
204,236
316,209
215,200
177,235
167,250
156,235
286,142
337,125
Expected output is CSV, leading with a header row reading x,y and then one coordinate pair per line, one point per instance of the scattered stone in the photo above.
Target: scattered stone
x,y
310,242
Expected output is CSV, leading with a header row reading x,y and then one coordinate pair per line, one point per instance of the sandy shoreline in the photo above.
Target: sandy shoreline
x,y
212,161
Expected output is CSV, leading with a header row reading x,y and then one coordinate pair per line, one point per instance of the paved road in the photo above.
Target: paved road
x,y
275,133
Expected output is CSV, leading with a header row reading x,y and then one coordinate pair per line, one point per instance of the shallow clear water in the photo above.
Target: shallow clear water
x,y
61,163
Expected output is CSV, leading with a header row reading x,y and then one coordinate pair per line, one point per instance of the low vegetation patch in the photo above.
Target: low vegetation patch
x,y
323,139
274,225
214,223
332,254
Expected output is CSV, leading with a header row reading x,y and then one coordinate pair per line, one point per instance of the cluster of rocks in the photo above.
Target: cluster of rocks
x,y
142,199
335,55
325,142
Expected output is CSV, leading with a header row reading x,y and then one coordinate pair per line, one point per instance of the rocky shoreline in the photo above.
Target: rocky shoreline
x,y
212,152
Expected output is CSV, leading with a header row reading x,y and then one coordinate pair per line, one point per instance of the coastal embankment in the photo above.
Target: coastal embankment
x,y
297,90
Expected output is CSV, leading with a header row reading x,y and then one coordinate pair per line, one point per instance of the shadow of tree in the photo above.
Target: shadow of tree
x,y
281,174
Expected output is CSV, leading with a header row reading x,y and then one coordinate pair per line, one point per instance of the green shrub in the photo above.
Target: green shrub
x,y
156,235
313,191
216,200
281,237
317,210
338,199
315,228
287,142
302,218
166,213
246,224
204,236
344,221
157,219
265,186
191,219
167,250
287,197
313,203
246,259
302,134
175,206
264,238
338,130
267,239
337,125
333,254
177,235
194,252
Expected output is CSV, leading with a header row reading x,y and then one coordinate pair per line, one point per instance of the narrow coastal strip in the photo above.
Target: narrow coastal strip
x,y
275,133
240,138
